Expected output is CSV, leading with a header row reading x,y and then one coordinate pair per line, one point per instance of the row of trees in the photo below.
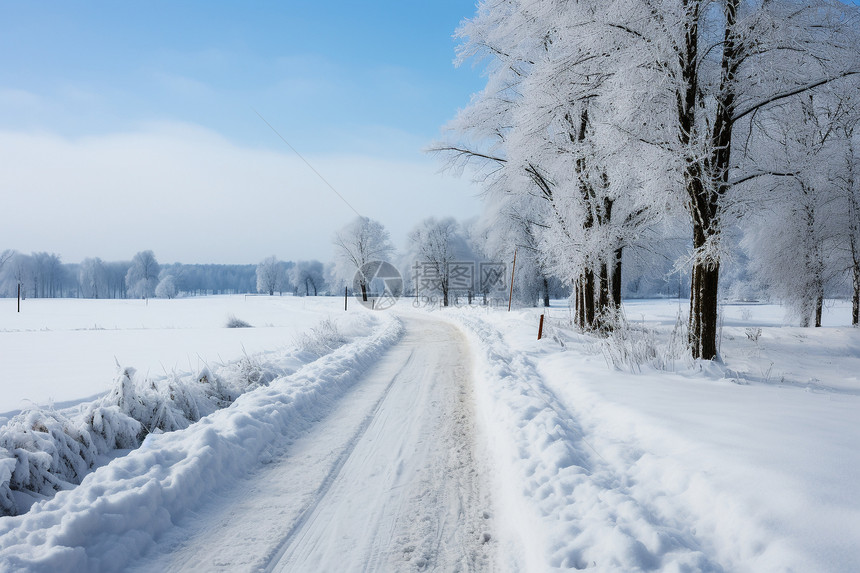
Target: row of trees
x,y
605,125
303,278
444,258
44,275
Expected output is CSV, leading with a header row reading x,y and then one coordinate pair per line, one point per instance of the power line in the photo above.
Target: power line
x,y
308,164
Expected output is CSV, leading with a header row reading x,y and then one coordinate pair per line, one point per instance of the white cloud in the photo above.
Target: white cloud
x,y
193,196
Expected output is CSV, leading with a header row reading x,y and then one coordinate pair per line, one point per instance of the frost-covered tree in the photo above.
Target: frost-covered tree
x,y
360,242
794,242
308,276
851,200
4,257
438,245
166,287
538,136
270,276
92,278
142,277
48,274
580,95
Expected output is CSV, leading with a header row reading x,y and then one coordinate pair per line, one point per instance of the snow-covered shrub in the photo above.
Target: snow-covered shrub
x,y
44,451
321,339
630,347
233,322
249,373
753,333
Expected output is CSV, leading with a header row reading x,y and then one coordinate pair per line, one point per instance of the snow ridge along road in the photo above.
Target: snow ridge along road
x,y
387,481
124,508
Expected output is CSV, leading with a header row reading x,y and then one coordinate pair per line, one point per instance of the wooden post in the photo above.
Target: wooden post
x,y
19,297
513,270
345,296
540,328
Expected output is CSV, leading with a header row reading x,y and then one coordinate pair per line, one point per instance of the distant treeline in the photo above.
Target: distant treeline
x,y
44,275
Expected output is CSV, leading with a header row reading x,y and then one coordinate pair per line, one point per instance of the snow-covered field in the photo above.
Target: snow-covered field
x,y
64,350
451,440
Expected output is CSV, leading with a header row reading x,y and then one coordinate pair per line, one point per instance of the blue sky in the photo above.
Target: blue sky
x,y
349,84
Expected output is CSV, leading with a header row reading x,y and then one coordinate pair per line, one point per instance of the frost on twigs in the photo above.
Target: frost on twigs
x,y
43,451
321,339
631,346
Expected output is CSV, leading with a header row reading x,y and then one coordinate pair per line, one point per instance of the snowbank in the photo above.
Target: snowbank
x,y
118,510
697,470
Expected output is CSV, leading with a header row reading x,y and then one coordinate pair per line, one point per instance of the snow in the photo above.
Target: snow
x,y
455,440
689,470
66,350
118,510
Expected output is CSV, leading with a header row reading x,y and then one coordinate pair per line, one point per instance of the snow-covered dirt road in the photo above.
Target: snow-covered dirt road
x,y
387,480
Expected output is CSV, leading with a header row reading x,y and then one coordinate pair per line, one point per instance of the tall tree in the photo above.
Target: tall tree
x,y
660,86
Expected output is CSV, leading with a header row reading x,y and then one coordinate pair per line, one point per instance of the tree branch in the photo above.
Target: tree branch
x,y
792,92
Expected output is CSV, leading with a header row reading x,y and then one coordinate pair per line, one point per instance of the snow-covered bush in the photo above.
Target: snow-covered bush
x,y
321,339
233,322
43,451
630,347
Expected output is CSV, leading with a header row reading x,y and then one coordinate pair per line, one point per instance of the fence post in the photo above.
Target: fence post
x,y
540,328
345,296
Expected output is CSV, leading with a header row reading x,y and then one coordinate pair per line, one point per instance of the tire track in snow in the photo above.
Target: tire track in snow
x,y
327,482
409,494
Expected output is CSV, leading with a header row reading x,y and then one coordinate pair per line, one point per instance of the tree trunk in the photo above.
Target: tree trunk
x,y
588,297
579,286
616,278
363,291
705,198
855,302
603,298
703,310
819,306
545,292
